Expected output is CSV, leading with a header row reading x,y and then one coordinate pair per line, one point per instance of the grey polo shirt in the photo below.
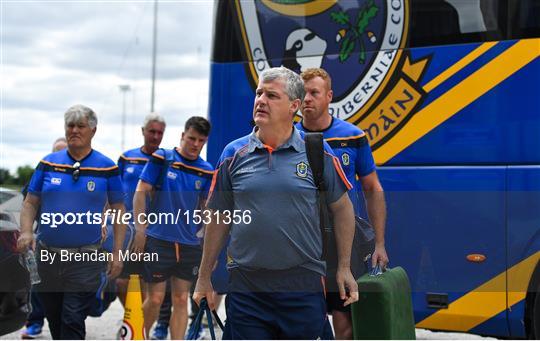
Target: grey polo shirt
x,y
277,188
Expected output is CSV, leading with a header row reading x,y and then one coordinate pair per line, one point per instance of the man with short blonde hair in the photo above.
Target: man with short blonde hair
x,y
351,146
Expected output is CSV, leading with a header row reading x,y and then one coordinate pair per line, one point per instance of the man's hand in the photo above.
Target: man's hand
x,y
138,242
26,241
114,267
204,288
348,288
379,257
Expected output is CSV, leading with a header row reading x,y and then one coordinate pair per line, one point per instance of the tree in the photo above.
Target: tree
x,y
5,177
24,173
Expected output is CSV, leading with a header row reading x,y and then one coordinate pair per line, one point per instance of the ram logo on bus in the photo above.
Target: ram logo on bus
x,y
360,43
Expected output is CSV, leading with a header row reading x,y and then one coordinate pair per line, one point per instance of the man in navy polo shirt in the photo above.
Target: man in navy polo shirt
x,y
131,164
184,179
276,289
70,189
351,146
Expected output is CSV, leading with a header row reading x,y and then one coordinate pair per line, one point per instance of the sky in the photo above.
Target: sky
x,y
54,54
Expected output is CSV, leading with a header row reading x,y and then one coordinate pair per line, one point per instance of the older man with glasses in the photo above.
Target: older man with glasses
x,y
70,189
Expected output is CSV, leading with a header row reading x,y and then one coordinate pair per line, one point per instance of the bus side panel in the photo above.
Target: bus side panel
x,y
523,236
494,326
500,127
231,106
436,217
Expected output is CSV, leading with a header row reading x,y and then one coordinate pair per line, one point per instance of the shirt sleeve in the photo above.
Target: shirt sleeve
x,y
334,177
220,195
364,162
153,168
114,188
36,182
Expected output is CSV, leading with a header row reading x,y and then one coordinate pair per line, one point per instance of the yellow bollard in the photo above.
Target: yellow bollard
x,y
133,324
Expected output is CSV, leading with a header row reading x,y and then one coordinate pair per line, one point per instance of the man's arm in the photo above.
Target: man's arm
x,y
215,236
343,213
28,215
376,210
119,236
139,212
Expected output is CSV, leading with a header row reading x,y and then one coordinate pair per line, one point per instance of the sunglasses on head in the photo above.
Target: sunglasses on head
x,y
76,171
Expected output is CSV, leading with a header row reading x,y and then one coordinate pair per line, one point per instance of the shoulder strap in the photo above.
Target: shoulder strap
x,y
315,156
168,155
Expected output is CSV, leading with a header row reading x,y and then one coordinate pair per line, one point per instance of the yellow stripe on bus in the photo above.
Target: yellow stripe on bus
x,y
486,301
480,50
461,95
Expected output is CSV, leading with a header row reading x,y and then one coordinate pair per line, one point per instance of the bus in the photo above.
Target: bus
x,y
448,93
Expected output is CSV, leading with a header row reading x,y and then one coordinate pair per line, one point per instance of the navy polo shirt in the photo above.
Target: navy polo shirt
x,y
184,189
351,146
131,164
278,189
98,183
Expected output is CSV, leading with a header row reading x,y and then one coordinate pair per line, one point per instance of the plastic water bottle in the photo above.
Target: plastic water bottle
x,y
31,266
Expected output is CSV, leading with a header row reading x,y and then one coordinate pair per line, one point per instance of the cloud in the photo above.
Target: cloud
x,y
56,54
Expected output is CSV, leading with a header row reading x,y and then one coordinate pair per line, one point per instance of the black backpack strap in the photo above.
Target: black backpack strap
x,y
315,156
167,162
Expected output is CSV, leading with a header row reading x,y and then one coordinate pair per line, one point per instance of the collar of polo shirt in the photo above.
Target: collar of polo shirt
x,y
296,141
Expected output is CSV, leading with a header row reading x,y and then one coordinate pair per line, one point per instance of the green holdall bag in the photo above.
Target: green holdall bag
x,y
384,309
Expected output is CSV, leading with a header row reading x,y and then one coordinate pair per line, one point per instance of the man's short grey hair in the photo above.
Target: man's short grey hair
x,y
153,117
294,85
79,112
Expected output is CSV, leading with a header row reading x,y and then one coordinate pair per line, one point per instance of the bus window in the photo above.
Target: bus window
x,y
438,22
524,19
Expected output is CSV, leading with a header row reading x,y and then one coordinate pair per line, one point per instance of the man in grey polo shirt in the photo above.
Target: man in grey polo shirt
x,y
267,199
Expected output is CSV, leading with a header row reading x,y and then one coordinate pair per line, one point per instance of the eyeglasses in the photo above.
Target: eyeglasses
x,y
76,171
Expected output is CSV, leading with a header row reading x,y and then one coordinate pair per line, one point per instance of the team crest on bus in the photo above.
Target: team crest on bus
x,y
301,169
358,42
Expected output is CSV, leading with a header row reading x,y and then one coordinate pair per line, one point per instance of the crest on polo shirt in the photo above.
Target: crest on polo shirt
x,y
301,169
90,186
345,158
198,184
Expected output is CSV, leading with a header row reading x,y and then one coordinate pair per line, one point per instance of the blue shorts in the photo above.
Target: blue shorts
x,y
272,307
174,259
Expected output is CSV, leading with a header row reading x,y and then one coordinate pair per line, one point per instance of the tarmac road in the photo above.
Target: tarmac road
x,y
106,327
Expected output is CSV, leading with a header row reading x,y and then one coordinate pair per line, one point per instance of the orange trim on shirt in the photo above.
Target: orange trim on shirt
x,y
99,169
81,168
345,137
270,149
55,164
158,156
133,158
341,174
194,168
212,185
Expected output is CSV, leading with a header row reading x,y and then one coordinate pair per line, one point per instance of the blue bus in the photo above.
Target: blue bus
x,y
448,93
